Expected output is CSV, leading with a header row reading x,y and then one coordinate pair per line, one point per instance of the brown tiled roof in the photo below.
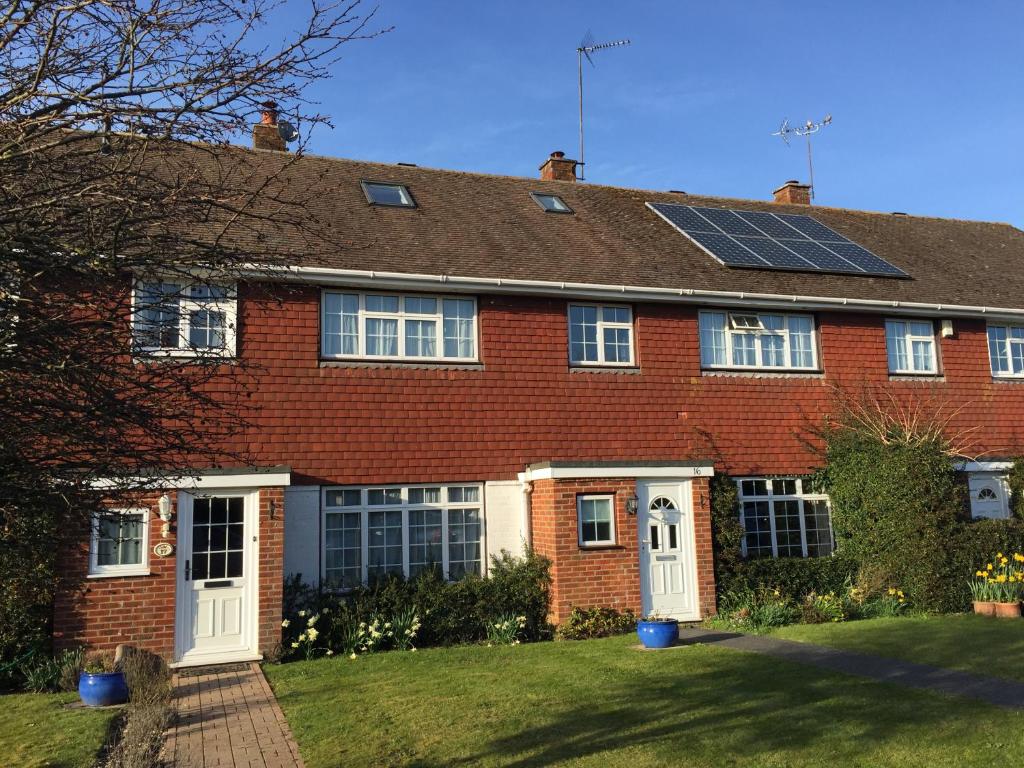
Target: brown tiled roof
x,y
477,225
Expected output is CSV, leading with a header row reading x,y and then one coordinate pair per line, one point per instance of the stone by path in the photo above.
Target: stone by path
x,y
227,717
993,690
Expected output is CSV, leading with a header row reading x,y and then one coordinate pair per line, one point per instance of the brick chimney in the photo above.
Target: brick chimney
x,y
793,193
265,134
558,168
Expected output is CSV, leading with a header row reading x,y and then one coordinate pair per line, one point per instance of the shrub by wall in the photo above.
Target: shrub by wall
x,y
795,577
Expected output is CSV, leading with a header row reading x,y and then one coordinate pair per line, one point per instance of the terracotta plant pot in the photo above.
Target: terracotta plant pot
x,y
984,608
1008,610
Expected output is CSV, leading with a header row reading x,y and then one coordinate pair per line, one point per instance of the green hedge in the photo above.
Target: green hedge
x,y
793,576
450,613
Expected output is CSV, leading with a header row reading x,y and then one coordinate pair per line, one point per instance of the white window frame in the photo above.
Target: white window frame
x,y
1007,347
908,340
96,570
610,498
602,324
187,305
364,508
738,323
400,316
771,497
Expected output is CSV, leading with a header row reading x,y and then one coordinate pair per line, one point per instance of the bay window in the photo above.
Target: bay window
x,y
179,319
1006,350
757,340
910,345
398,327
783,517
401,530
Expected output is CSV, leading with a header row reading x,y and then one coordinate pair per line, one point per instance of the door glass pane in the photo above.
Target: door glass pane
x,y
673,539
218,538
655,531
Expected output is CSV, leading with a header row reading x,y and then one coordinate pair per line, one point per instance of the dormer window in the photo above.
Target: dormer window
x,y
384,193
550,203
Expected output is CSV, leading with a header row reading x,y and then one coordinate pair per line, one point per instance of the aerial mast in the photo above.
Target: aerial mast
x,y
586,47
806,130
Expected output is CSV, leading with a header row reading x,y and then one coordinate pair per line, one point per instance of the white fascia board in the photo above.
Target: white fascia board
x,y
985,466
201,482
360,278
581,473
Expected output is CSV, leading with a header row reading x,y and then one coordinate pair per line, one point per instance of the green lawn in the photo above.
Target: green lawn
x,y
973,643
601,703
37,730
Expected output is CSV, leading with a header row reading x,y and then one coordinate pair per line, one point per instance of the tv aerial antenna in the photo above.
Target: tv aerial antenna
x,y
806,130
586,47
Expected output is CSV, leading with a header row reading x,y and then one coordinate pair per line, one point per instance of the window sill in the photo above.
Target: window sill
x,y
916,377
469,365
120,574
627,369
599,547
762,373
1008,379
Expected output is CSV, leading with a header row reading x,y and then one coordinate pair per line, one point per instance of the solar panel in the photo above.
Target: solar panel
x,y
765,240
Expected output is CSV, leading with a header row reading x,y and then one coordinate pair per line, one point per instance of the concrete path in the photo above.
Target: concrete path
x,y
993,690
227,717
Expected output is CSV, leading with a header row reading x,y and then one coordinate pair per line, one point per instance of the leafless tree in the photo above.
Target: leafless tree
x,y
115,121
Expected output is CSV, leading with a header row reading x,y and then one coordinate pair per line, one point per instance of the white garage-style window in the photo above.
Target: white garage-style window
x,y
377,326
401,530
910,345
179,319
783,517
600,334
757,340
1006,350
596,519
119,544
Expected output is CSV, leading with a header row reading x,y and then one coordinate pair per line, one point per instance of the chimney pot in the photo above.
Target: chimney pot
x,y
269,114
558,168
793,193
265,134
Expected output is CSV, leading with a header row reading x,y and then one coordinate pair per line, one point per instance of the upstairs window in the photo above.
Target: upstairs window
x,y
398,327
174,318
382,193
1006,350
550,203
911,346
783,517
754,341
600,334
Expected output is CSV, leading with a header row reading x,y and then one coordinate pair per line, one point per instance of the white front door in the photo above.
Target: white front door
x,y
668,563
217,603
989,495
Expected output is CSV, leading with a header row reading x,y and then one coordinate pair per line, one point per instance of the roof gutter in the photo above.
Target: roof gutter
x,y
360,278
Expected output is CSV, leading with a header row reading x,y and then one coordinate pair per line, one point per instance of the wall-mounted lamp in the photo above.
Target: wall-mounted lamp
x,y
947,329
164,507
632,505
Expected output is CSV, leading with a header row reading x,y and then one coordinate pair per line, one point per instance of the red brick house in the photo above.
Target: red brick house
x,y
496,360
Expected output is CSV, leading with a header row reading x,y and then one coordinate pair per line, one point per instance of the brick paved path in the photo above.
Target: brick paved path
x,y
994,690
227,717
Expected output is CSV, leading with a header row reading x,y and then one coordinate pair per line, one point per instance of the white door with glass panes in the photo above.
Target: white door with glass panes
x,y
217,605
668,563
989,495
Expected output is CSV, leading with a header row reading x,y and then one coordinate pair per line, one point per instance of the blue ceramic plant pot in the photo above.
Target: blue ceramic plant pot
x,y
658,634
102,689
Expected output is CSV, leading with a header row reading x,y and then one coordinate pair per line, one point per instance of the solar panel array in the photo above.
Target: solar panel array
x,y
763,240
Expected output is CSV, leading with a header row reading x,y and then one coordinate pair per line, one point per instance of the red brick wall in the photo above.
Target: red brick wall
x,y
392,423
606,576
139,610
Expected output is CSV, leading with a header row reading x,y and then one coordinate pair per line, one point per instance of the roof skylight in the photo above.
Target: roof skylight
x,y
384,193
550,203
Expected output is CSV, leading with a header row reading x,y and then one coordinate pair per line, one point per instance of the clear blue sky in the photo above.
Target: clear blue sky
x,y
927,96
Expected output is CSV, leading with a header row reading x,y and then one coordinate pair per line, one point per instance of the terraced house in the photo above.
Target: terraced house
x,y
487,361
